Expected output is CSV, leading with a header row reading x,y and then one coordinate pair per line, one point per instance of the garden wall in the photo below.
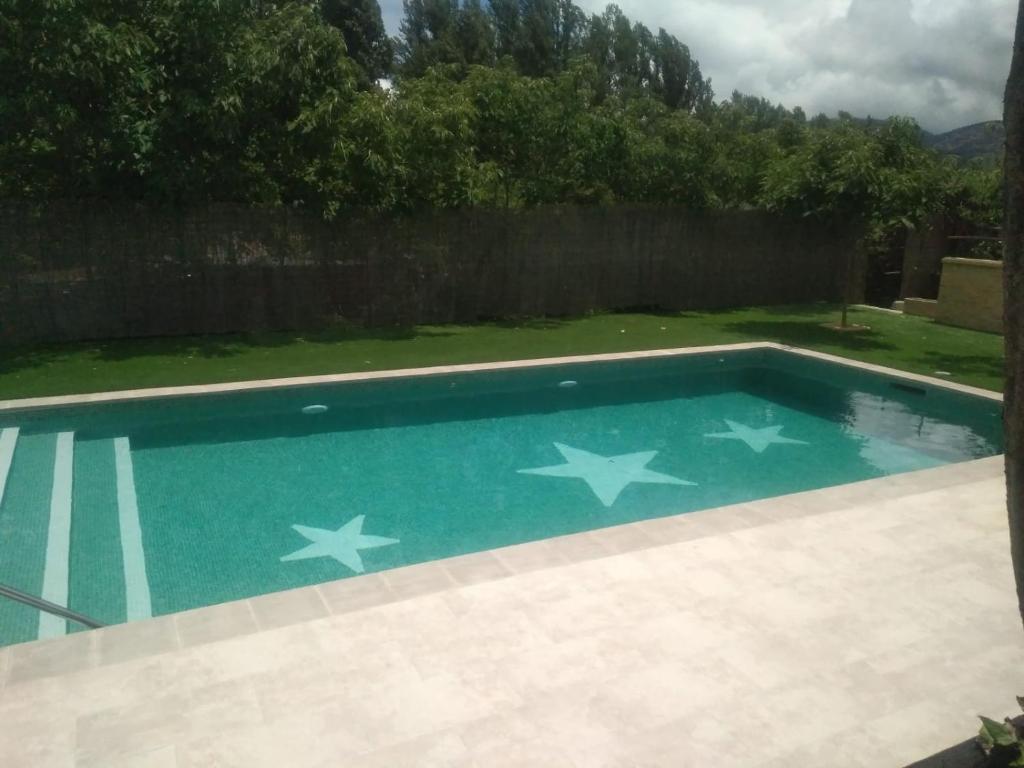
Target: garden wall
x,y
76,271
971,294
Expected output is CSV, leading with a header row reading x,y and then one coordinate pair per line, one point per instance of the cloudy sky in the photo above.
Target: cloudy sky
x,y
941,61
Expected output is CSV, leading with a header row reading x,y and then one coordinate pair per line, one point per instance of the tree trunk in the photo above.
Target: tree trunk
x,y
847,278
1013,294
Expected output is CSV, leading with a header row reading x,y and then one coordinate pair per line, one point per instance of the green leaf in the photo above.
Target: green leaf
x,y
996,734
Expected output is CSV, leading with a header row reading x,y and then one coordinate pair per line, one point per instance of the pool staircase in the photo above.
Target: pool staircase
x,y
51,486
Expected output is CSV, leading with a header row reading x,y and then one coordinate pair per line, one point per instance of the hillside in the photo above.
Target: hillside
x,y
981,140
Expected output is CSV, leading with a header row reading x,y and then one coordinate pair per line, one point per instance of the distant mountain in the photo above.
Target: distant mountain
x,y
981,140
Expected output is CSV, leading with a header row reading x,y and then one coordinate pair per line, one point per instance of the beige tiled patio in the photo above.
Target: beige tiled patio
x,y
863,625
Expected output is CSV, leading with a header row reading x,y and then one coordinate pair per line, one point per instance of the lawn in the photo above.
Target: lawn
x,y
909,343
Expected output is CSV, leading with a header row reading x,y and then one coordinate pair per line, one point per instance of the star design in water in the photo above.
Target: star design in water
x,y
757,439
343,544
607,476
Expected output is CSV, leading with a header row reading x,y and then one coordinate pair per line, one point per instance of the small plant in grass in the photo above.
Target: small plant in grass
x,y
1002,743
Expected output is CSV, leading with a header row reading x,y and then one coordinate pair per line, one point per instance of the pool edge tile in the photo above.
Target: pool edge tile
x,y
118,643
475,568
531,556
419,579
53,657
5,662
343,596
214,623
394,373
294,606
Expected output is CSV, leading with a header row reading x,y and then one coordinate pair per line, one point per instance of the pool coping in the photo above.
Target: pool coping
x,y
83,651
152,393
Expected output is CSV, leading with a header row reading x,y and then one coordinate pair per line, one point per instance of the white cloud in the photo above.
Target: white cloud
x,y
941,61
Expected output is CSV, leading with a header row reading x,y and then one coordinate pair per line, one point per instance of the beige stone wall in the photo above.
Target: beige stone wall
x,y
971,294
921,307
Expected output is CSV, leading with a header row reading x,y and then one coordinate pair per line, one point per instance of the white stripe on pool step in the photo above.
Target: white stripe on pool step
x,y
8,439
58,541
136,583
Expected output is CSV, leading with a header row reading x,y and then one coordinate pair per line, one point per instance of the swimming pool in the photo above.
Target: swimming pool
x,y
133,507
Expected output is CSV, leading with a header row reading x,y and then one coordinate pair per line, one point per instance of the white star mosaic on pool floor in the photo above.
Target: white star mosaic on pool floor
x,y
757,439
607,476
343,544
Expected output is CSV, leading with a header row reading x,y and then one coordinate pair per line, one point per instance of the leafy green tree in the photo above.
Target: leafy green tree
x,y
570,30
254,114
444,32
525,103
671,156
505,19
505,106
371,171
581,150
77,98
475,34
536,47
883,177
673,63
428,36
597,47
434,120
366,41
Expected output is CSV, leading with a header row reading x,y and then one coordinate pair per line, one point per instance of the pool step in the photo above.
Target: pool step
x,y
29,460
69,531
56,571
136,583
8,439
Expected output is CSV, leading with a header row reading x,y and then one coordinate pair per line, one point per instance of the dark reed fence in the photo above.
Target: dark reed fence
x,y
100,270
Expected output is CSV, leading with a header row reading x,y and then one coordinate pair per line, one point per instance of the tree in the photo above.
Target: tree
x,y
505,17
536,50
1013,287
437,32
168,100
475,34
433,118
365,38
76,86
570,28
673,63
428,35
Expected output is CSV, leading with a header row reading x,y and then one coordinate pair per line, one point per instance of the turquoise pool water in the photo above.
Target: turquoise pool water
x,y
127,510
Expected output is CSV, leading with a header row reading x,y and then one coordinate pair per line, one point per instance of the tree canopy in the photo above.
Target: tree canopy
x,y
509,103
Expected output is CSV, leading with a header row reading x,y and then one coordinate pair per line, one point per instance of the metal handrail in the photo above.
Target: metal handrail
x,y
47,606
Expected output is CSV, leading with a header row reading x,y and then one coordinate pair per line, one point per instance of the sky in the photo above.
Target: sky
x,y
943,62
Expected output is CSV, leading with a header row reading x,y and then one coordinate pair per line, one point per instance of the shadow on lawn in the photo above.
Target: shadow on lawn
x,y
974,365
14,359
526,323
806,333
821,311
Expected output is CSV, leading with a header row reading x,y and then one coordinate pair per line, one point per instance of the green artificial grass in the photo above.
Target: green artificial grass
x,y
908,343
